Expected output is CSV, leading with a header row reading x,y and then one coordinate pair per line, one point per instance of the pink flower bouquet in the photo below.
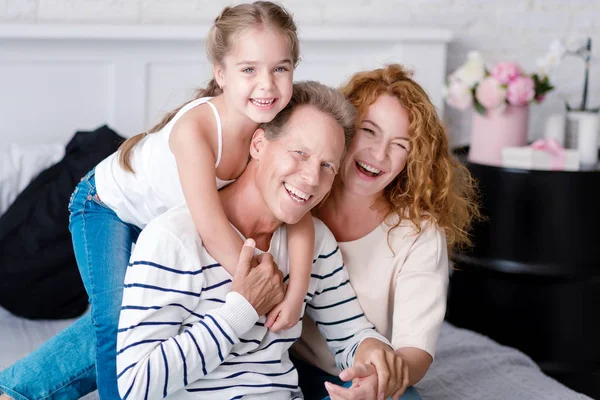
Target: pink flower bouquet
x,y
473,84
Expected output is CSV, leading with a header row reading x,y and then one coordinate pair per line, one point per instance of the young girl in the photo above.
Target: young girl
x,y
254,49
208,139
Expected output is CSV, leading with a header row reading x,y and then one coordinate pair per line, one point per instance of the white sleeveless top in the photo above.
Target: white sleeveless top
x,y
155,187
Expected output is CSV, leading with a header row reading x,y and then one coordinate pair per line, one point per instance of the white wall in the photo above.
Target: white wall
x,y
512,30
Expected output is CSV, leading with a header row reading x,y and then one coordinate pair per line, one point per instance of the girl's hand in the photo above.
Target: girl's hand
x,y
364,384
284,315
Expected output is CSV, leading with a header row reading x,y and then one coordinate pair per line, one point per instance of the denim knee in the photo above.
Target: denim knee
x,y
61,368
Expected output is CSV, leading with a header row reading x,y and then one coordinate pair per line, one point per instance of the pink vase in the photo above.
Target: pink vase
x,y
495,130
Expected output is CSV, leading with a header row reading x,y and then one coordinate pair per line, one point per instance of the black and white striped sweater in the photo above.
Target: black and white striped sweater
x,y
184,335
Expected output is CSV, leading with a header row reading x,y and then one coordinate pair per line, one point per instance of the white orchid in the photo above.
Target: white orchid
x,y
558,48
575,43
552,59
579,46
547,63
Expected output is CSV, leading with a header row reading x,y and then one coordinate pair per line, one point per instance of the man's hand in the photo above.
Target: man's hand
x,y
364,384
261,285
392,369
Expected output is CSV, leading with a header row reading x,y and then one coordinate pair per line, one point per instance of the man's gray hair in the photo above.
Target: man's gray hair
x,y
323,98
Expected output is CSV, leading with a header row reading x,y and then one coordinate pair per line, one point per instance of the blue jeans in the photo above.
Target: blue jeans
x,y
69,365
410,393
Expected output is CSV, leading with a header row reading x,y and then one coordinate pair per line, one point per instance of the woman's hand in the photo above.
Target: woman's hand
x,y
392,370
364,384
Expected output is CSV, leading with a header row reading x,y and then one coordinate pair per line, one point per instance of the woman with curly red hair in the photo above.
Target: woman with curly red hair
x,y
399,202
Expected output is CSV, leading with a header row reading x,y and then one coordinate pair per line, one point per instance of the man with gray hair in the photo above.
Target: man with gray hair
x,y
188,329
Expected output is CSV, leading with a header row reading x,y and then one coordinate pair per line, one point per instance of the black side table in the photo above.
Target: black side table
x,y
532,279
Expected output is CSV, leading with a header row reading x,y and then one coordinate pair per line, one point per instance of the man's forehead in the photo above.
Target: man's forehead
x,y
302,113
308,116
315,130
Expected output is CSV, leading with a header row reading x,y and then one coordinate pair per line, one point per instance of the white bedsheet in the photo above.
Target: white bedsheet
x,y
468,366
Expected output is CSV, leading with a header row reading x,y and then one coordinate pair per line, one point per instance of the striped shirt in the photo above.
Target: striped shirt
x,y
184,335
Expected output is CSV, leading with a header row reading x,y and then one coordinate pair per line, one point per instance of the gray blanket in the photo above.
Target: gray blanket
x,y
468,366
471,366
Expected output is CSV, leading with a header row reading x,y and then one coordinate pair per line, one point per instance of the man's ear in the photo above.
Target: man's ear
x,y
257,143
219,74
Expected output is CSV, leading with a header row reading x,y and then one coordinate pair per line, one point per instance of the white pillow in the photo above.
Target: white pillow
x,y
20,164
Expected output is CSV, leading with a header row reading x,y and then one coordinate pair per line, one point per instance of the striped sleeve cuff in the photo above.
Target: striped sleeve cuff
x,y
377,336
238,313
370,334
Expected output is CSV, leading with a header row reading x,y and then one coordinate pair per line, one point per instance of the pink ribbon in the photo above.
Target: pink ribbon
x,y
555,149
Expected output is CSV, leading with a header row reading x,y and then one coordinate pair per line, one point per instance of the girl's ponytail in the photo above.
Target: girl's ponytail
x,y
211,90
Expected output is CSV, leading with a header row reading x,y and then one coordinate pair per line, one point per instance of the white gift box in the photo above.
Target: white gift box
x,y
530,158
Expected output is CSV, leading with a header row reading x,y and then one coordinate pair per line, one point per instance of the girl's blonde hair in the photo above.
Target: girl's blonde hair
x,y
226,29
433,185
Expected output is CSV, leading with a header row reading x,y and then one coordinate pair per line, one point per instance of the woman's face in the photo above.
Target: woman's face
x,y
379,150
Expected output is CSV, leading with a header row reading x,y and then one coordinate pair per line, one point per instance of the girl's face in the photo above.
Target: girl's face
x,y
257,73
379,150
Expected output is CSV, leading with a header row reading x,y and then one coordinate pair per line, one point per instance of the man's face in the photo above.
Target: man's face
x,y
295,171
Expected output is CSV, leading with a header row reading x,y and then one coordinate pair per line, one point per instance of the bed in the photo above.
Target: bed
x,y
57,79
468,366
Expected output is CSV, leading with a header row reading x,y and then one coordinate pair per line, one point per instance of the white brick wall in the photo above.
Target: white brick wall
x,y
513,30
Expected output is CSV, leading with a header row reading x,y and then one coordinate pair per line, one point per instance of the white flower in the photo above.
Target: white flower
x,y
459,95
472,71
575,43
547,63
557,48
552,59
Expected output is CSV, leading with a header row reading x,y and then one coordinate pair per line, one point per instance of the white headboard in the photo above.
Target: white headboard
x,y
56,79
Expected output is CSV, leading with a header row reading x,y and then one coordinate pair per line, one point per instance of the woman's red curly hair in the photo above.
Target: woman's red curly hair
x,y
434,184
